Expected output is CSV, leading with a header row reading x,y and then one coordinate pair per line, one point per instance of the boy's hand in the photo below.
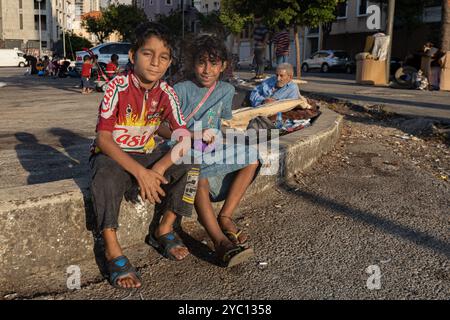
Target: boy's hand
x,y
209,135
149,181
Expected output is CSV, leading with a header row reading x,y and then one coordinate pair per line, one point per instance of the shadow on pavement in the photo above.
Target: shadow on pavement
x,y
390,227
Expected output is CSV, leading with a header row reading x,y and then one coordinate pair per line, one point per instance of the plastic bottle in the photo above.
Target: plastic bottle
x,y
279,121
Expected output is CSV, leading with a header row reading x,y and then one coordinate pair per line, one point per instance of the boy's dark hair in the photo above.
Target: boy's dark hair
x,y
211,46
86,58
114,57
149,29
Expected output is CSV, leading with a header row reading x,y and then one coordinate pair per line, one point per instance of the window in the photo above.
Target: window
x,y
78,10
21,21
43,22
123,48
108,49
43,5
341,55
314,30
168,2
362,8
20,4
341,10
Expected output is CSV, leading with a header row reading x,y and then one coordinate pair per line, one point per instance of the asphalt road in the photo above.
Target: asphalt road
x,y
46,127
378,203
434,104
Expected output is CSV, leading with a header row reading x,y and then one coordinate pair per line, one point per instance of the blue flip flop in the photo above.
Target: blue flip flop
x,y
119,268
165,243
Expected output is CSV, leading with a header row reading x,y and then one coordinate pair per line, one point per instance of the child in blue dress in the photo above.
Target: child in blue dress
x,y
204,101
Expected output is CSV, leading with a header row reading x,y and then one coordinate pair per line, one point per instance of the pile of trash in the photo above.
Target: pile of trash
x,y
294,120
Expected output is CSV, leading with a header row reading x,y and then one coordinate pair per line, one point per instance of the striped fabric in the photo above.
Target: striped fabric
x,y
281,41
259,33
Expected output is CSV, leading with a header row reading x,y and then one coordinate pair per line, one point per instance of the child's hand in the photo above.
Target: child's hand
x,y
209,135
149,182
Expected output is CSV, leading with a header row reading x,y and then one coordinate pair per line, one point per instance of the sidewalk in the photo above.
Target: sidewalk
x,y
431,104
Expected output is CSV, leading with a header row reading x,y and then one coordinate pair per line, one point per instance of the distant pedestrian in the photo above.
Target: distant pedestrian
x,y
260,37
112,68
86,75
281,41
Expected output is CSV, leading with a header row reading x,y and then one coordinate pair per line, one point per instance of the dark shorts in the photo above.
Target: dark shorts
x,y
86,83
110,182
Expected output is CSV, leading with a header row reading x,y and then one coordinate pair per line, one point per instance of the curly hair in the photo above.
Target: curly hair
x,y
211,46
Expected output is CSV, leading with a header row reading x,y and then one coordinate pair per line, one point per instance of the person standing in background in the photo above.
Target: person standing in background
x,y
260,37
281,42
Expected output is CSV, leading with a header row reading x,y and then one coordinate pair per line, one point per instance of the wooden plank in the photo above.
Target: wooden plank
x,y
241,117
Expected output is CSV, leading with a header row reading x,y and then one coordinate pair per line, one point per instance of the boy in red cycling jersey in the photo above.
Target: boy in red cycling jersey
x,y
125,153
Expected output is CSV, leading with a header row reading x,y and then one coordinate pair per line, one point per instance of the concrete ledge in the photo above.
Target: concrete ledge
x,y
46,228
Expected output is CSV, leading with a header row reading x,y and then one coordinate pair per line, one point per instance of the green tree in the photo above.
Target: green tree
x,y
445,33
73,43
173,22
98,25
124,19
295,13
212,23
233,19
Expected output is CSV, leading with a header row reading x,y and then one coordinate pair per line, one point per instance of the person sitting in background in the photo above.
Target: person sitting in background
x,y
278,87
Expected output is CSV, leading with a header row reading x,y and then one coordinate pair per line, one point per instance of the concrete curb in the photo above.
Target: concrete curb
x,y
389,109
45,228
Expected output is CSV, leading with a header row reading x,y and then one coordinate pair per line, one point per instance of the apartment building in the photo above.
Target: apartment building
x,y
350,29
206,6
153,8
19,21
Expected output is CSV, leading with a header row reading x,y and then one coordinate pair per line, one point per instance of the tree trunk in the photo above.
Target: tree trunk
x,y
297,50
445,41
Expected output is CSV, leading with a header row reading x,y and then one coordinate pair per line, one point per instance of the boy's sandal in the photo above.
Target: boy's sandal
x,y
236,256
165,243
233,236
120,268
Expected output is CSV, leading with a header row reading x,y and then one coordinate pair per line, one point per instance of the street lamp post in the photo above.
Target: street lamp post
x,y
64,21
182,19
390,33
40,35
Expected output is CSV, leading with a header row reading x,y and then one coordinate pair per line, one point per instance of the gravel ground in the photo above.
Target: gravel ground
x,y
379,201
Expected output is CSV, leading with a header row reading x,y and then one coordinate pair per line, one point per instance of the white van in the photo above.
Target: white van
x,y
12,58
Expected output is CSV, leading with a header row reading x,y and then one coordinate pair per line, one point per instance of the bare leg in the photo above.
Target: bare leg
x,y
166,226
112,251
208,219
237,190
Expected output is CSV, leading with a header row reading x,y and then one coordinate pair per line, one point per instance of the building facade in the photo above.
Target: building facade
x,y
350,30
153,8
19,24
19,21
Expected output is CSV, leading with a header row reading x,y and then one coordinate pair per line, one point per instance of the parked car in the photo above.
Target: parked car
x,y
327,60
12,58
104,52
